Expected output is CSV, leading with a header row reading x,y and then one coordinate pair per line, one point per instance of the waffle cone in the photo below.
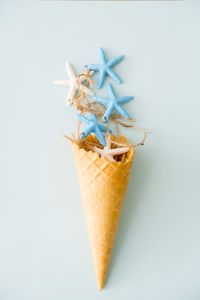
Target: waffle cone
x,y
103,187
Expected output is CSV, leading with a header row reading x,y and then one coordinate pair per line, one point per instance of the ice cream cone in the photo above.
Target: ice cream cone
x,y
103,187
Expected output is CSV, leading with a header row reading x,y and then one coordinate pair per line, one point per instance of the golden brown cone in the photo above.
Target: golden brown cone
x,y
103,187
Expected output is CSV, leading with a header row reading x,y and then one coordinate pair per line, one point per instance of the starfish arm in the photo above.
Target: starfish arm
x,y
103,57
83,119
104,128
110,158
102,75
122,112
91,73
94,67
70,71
115,60
87,131
85,72
99,136
108,141
101,100
119,150
71,93
96,149
86,90
124,99
93,119
113,75
108,112
111,91
62,82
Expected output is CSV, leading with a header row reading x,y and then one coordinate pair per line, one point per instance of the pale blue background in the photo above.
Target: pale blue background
x,y
44,250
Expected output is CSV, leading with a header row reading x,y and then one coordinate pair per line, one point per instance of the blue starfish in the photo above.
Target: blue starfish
x,y
93,126
113,103
105,68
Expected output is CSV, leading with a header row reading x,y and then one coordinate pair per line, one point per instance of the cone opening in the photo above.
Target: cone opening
x,y
91,140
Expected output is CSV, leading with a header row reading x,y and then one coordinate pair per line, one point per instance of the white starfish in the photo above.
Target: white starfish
x,y
107,152
74,82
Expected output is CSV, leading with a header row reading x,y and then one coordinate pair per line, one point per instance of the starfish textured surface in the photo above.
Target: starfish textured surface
x,y
105,68
93,126
74,82
107,152
112,103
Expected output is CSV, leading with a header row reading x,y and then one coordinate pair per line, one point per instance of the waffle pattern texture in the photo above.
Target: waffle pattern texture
x,y
103,187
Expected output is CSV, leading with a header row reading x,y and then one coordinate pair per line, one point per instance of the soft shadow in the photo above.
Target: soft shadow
x,y
139,177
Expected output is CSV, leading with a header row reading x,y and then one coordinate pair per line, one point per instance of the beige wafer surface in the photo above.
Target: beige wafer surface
x,y
103,187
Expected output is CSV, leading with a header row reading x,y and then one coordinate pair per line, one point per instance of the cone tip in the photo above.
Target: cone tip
x,y
100,286
100,283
